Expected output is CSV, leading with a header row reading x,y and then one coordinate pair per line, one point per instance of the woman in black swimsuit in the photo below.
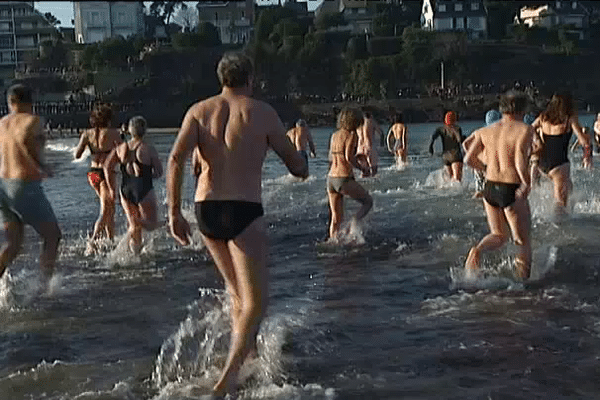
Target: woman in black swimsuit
x,y
556,125
101,140
452,139
139,165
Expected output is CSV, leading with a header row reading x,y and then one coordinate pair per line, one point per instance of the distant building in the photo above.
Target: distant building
x,y
571,14
233,19
99,20
358,14
455,15
68,34
22,30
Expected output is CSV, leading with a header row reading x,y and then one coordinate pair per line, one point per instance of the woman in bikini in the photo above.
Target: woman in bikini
x,y
342,160
139,165
101,139
556,126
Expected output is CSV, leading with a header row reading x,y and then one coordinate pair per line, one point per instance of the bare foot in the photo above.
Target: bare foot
x,y
522,270
472,264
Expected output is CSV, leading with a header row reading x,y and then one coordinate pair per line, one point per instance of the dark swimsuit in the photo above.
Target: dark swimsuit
x,y
451,147
135,188
555,151
226,219
500,194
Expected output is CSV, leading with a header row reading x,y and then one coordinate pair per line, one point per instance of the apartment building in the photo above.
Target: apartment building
x,y
99,20
233,19
455,15
22,30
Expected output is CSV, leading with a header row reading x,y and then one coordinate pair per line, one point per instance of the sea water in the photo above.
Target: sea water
x,y
380,314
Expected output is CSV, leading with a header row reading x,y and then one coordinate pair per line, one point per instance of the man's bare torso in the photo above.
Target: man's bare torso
x,y
504,150
233,140
22,143
299,137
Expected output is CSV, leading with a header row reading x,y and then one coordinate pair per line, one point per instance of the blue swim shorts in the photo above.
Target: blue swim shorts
x,y
25,202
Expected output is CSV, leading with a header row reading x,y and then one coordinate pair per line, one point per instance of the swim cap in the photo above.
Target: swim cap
x,y
528,119
492,116
450,118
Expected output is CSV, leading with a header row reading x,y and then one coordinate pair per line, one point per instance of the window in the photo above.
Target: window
x,y
216,16
121,18
362,11
5,43
5,13
442,8
95,17
4,26
25,41
458,7
474,6
243,14
26,25
574,5
558,5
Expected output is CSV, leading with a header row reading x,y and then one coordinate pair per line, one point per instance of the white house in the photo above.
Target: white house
x,y
99,20
455,15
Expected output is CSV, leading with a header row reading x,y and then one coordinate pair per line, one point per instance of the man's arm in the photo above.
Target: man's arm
x,y
311,144
278,141
388,139
404,137
472,156
186,140
433,138
38,140
522,155
184,143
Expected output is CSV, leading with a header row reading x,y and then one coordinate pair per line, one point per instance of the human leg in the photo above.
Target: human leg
x,y
248,253
51,235
561,179
494,240
105,223
13,234
355,191
148,210
457,168
336,208
134,230
519,220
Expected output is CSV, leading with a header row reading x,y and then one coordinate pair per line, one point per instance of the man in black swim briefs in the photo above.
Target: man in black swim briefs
x,y
502,150
233,132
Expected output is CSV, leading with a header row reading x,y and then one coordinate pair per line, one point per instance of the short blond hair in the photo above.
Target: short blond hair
x,y
138,126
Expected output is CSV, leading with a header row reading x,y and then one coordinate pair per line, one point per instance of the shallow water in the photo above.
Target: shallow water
x,y
383,314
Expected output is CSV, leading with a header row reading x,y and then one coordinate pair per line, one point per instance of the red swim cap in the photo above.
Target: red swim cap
x,y
450,118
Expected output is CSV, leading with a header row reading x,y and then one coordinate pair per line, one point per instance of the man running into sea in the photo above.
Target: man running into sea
x,y
397,134
502,151
22,168
233,132
366,153
301,139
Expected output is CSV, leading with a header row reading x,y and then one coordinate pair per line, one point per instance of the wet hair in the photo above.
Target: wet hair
x,y
138,126
560,109
348,119
513,103
301,122
398,118
367,114
234,70
19,94
101,116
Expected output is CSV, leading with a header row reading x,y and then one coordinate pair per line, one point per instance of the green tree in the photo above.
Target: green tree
x,y
165,9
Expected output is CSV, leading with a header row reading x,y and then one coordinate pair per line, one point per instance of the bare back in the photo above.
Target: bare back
x,y
22,140
342,151
506,149
100,143
233,133
399,132
299,136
